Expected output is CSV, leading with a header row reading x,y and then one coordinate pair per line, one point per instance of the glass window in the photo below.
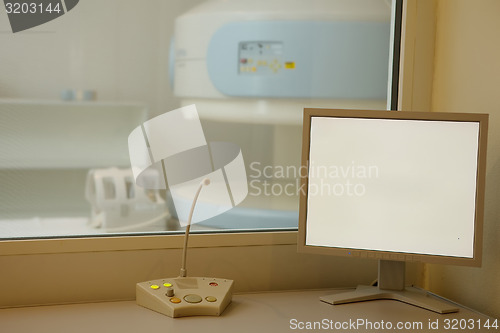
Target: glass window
x,y
72,89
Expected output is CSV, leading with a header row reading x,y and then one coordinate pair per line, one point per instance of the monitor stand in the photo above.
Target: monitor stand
x,y
391,280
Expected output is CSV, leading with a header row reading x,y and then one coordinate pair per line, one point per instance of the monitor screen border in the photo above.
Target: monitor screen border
x,y
481,118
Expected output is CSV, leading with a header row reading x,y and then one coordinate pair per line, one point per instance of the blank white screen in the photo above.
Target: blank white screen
x,y
392,185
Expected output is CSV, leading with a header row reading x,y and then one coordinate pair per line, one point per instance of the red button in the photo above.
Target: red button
x,y
213,284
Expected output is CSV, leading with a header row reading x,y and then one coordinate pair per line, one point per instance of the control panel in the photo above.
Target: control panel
x,y
185,296
262,58
330,59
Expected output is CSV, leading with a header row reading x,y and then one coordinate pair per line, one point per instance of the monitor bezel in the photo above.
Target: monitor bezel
x,y
480,118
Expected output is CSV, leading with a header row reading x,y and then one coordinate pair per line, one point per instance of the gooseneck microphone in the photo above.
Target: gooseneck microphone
x,y
186,296
183,296
204,182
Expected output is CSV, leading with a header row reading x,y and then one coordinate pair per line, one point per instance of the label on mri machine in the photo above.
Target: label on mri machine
x,y
261,58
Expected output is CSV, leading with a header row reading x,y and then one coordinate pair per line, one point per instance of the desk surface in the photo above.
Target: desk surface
x,y
263,312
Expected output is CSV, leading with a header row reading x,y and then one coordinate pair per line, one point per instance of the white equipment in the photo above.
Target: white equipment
x,y
118,205
186,296
279,50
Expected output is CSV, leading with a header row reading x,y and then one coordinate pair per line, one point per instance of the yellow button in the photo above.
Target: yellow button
x,y
290,65
211,299
155,286
168,285
175,300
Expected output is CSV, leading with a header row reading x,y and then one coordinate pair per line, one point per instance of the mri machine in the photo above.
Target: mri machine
x,y
255,66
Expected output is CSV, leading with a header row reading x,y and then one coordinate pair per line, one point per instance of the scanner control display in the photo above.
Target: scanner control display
x,y
262,58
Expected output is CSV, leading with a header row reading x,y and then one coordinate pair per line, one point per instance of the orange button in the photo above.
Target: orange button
x,y
175,300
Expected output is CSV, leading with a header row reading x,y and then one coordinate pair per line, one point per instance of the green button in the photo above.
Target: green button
x,y
192,298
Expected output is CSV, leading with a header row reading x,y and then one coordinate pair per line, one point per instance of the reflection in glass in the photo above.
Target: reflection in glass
x,y
72,90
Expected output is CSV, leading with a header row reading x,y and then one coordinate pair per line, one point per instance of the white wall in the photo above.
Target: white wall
x,y
467,79
119,48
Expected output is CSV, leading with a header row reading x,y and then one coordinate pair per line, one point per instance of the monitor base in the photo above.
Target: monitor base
x,y
409,295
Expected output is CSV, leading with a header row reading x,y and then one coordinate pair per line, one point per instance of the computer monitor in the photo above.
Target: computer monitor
x,y
394,186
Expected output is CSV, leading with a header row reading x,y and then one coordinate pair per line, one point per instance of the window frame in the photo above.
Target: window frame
x,y
147,242
398,94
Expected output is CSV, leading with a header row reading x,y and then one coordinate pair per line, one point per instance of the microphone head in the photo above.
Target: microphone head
x,y
205,182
